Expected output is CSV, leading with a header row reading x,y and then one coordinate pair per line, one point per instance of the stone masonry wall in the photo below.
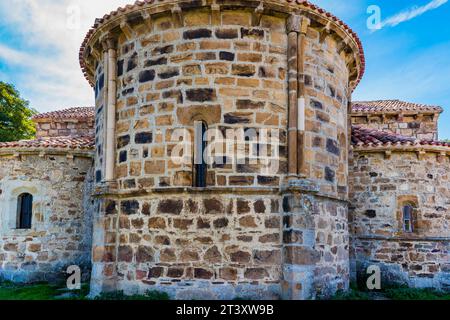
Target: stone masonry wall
x,y
231,76
316,246
421,126
182,243
380,187
63,128
326,141
61,223
226,241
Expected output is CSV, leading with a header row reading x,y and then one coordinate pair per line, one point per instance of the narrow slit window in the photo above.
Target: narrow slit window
x,y
408,218
25,211
200,166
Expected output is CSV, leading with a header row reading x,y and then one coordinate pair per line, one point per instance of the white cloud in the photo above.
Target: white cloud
x,y
412,13
45,61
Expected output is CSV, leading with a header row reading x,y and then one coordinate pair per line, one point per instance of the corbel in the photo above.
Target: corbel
x,y
349,59
257,15
325,32
353,73
127,30
70,157
435,117
387,154
215,13
42,154
177,16
421,154
400,116
147,20
95,53
17,156
89,65
419,117
442,155
342,45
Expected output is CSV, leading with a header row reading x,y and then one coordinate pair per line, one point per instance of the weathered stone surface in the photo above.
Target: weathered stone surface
x,y
125,254
129,207
157,223
201,95
240,257
197,33
200,273
143,137
213,255
301,255
255,273
213,206
147,75
170,206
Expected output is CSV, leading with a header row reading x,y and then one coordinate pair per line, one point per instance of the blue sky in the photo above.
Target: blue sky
x,y
407,59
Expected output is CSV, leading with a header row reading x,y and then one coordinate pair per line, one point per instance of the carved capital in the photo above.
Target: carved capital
x,y
296,23
108,42
257,15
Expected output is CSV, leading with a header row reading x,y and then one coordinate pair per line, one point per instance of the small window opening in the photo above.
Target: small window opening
x,y
408,218
200,166
25,211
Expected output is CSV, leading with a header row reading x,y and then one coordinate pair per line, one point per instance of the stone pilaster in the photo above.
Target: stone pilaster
x,y
111,109
292,30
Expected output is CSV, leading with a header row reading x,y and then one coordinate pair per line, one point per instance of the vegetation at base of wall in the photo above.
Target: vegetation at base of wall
x,y
45,291
40,291
15,115
392,293
404,293
119,295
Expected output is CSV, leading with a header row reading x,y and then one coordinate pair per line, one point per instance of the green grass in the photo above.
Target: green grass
x,y
403,293
392,293
45,291
38,291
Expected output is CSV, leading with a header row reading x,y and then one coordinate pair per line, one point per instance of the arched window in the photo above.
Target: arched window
x,y
24,211
200,166
408,218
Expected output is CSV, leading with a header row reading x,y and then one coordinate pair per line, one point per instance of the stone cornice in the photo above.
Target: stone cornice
x,y
108,190
47,151
415,238
116,22
390,148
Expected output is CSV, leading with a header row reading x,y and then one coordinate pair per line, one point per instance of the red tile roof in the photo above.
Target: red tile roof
x,y
73,142
80,113
380,106
131,7
365,137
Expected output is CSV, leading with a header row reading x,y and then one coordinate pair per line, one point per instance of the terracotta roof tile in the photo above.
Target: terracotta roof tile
x,y
70,113
138,4
365,137
391,106
72,142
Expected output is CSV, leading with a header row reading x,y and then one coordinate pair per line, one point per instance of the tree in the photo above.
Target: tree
x,y
15,115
